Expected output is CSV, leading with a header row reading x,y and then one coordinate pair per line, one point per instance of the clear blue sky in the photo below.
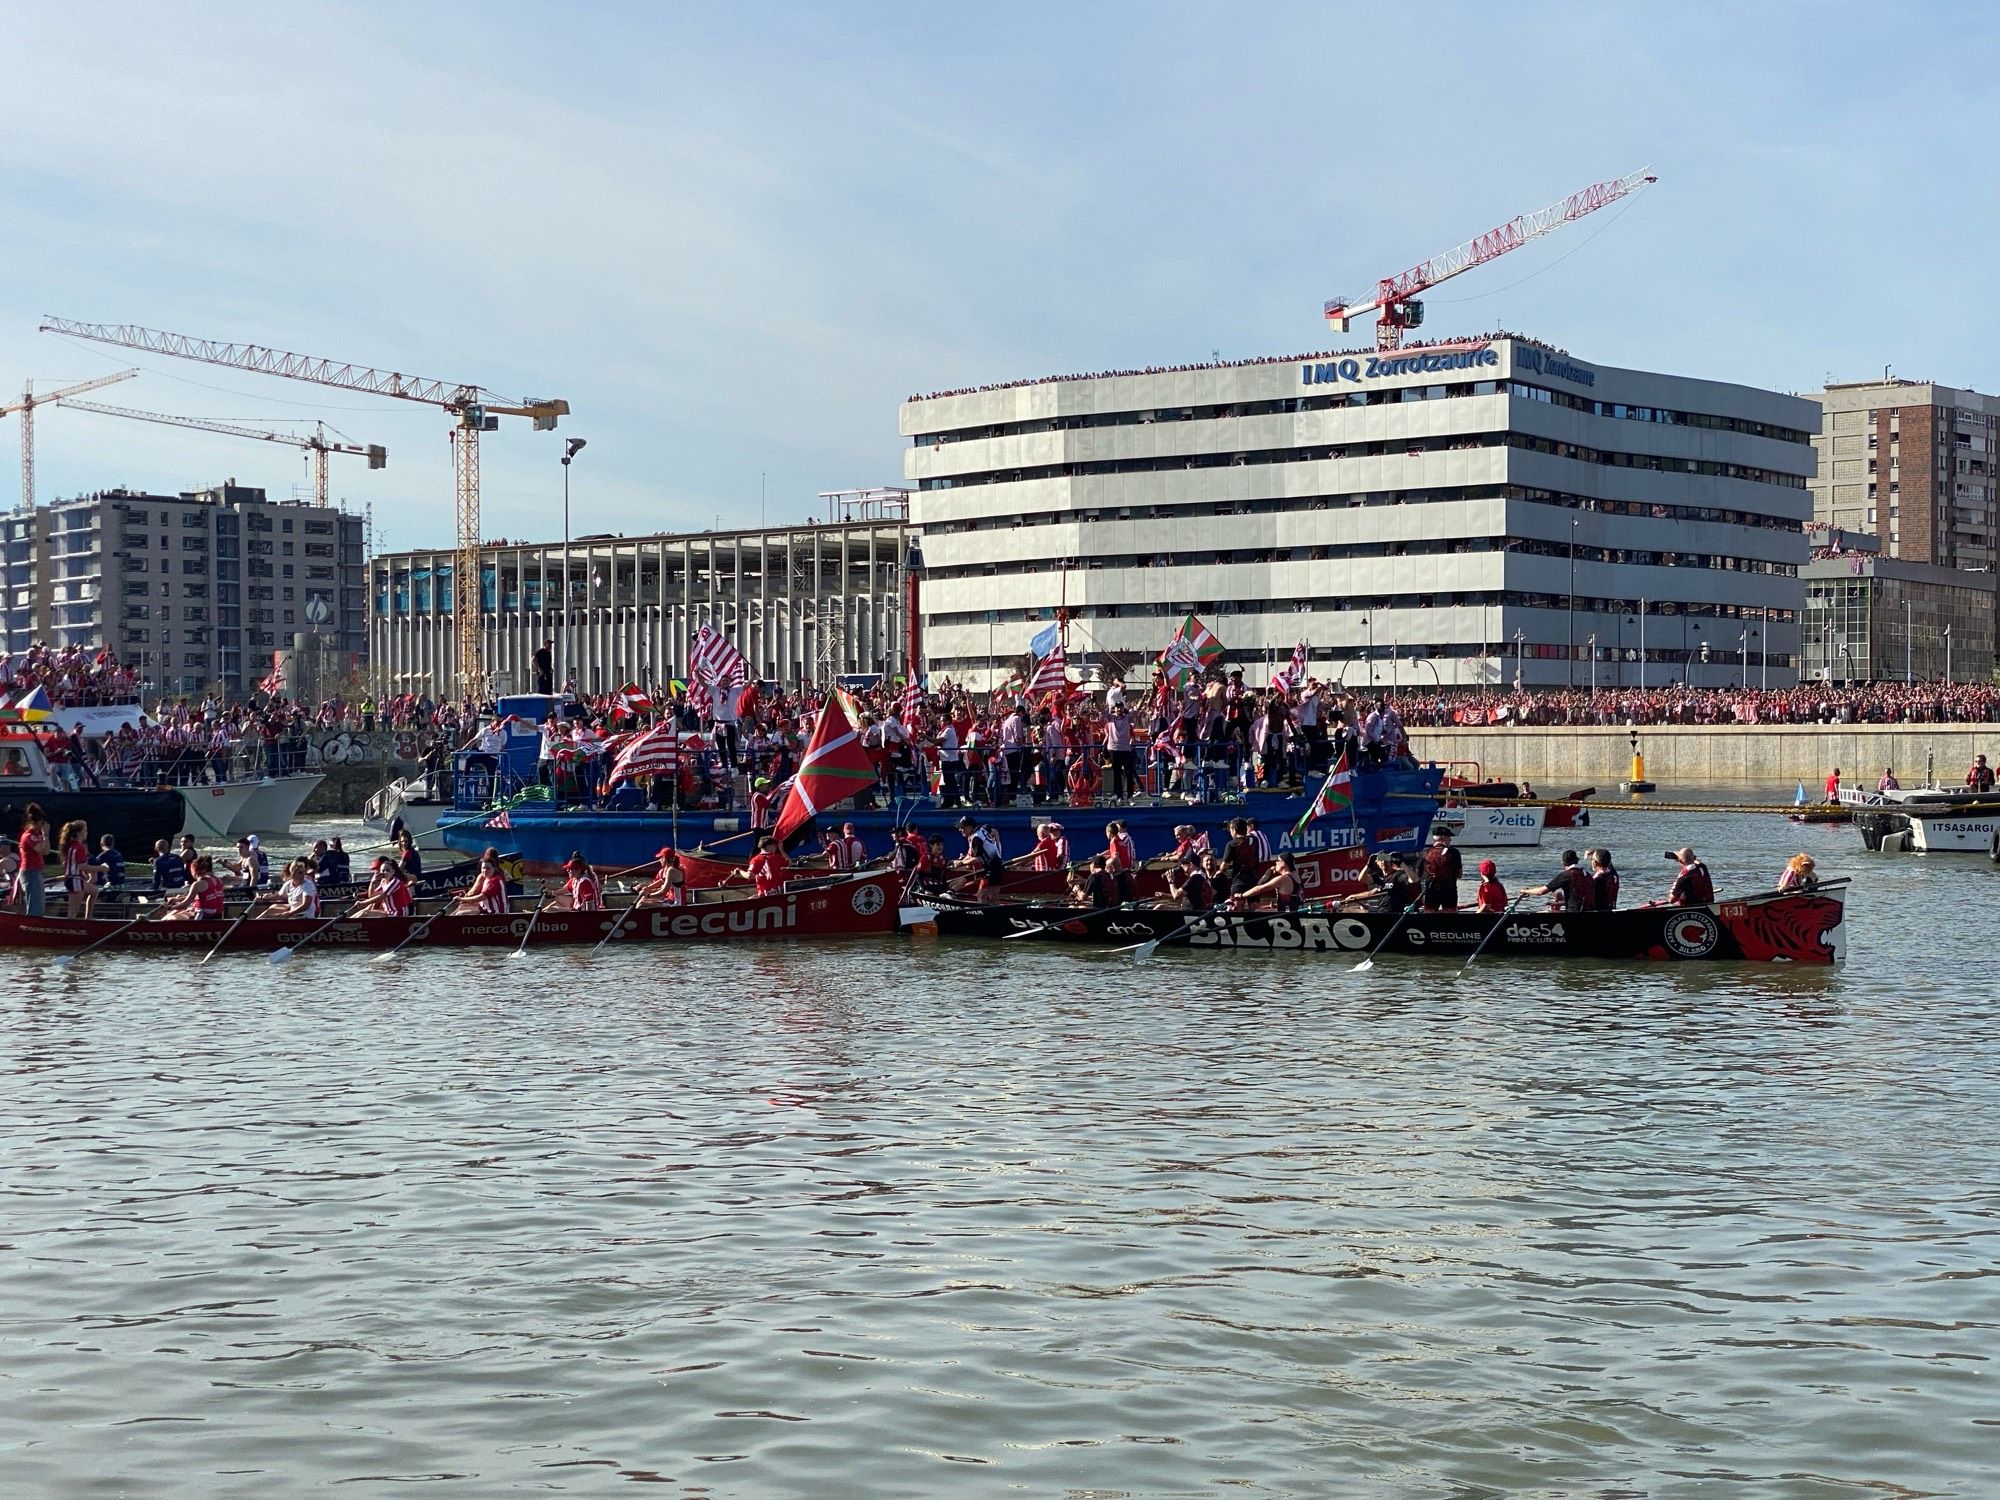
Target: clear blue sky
x,y
734,238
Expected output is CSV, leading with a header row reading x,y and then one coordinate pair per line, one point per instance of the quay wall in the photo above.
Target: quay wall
x,y
1558,758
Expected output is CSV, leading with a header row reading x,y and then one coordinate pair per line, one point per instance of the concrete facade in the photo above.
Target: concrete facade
x,y
799,602
195,590
1410,515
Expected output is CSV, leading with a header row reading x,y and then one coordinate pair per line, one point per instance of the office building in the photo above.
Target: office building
x,y
1915,466
1461,513
1871,617
196,591
816,601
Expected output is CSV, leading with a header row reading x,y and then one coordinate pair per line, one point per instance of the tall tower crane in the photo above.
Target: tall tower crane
x,y
26,407
316,445
473,409
1396,296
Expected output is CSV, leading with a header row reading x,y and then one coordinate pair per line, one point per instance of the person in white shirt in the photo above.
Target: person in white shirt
x,y
951,765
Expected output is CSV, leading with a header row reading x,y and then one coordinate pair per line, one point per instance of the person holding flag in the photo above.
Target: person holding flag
x,y
834,768
1335,793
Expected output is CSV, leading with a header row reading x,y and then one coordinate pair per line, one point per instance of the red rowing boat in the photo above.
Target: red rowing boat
x,y
864,906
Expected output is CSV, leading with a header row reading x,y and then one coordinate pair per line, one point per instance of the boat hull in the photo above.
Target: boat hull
x,y
1392,810
137,817
867,907
275,803
214,811
1796,927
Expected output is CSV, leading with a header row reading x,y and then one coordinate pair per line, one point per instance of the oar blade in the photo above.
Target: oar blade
x,y
281,955
1366,963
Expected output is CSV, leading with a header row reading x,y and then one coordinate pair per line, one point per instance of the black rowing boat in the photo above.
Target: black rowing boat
x,y
1772,926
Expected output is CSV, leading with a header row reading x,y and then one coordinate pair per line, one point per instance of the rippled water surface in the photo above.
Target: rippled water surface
x,y
913,1219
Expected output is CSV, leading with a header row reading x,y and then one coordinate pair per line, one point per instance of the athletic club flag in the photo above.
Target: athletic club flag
x,y
1194,649
713,659
913,707
1293,672
834,768
1051,673
1335,793
657,752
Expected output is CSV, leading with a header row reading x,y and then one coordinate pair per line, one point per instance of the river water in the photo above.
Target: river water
x,y
918,1218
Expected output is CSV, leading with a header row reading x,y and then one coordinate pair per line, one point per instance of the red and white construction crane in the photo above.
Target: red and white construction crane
x,y
316,445
1396,296
26,407
473,411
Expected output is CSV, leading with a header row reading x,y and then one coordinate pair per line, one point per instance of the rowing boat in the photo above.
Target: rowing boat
x,y
1773,926
864,906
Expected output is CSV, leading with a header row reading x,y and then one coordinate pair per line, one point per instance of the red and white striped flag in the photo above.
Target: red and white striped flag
x,y
1293,672
1051,673
657,752
712,659
913,706
635,699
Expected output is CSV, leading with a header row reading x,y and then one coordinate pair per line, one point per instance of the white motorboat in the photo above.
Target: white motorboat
x,y
1927,820
215,811
275,801
407,798
1492,827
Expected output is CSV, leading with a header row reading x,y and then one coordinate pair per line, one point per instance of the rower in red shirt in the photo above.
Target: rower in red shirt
x,y
1051,847
487,895
668,886
389,894
767,868
203,900
582,891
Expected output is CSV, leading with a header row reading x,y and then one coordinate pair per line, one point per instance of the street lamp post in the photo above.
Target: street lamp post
x,y
1591,642
1744,680
1369,621
1520,656
571,447
1909,643
1642,645
1947,656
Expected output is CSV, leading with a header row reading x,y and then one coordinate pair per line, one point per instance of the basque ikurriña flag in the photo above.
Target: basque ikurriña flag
x,y
1335,793
834,768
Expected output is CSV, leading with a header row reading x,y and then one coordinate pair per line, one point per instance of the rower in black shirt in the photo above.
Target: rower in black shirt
x,y
1569,889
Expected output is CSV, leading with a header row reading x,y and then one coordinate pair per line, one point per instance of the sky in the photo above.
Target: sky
x,y
735,238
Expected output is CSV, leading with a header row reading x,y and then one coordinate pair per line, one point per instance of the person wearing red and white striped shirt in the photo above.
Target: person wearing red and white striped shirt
x,y
1121,856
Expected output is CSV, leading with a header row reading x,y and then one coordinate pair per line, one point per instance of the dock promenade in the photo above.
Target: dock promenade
x,y
1559,756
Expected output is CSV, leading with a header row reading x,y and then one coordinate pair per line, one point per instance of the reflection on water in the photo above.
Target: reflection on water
x,y
887,1219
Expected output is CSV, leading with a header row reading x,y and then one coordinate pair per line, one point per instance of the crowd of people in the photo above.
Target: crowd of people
x,y
78,676
1808,703
1413,346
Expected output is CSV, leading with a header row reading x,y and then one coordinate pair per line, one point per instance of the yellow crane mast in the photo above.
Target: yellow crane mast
x,y
473,409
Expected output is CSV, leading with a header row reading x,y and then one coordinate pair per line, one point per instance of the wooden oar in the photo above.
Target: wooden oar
x,y
284,955
69,958
533,918
416,932
623,913
1499,922
226,936
1142,951
1394,928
